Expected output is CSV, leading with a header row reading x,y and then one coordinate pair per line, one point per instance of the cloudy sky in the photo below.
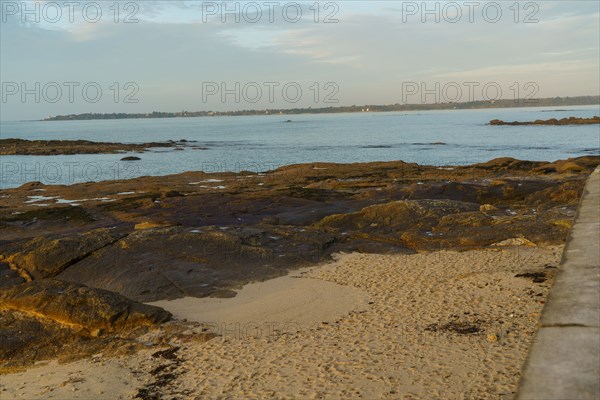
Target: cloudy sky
x,y
192,55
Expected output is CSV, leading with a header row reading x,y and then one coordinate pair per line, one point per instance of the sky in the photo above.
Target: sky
x,y
61,57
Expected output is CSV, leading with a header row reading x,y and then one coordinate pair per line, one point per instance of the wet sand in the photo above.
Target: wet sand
x,y
290,303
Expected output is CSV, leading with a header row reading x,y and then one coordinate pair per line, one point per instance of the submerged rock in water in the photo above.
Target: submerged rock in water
x,y
551,121
55,147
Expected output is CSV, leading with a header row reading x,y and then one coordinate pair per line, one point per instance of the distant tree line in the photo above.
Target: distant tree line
x,y
506,103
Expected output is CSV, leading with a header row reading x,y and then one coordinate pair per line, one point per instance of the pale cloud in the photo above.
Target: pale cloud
x,y
590,52
369,53
313,45
521,70
253,38
570,21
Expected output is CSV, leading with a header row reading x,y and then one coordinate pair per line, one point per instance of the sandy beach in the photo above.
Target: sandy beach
x,y
429,325
292,201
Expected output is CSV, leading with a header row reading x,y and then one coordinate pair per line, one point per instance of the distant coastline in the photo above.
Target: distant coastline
x,y
506,103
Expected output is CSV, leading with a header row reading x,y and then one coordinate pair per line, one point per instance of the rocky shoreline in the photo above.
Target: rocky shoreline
x,y
552,121
71,147
110,246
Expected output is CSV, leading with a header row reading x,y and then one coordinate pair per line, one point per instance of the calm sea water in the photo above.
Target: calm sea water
x,y
262,143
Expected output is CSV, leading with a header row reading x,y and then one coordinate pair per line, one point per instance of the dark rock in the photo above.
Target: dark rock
x,y
25,339
9,277
398,215
46,257
168,263
172,193
271,220
79,307
53,147
50,318
130,158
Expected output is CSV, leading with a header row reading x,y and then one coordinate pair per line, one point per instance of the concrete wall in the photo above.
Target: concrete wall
x,y
564,360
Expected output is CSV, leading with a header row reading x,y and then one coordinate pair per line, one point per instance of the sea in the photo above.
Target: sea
x,y
263,143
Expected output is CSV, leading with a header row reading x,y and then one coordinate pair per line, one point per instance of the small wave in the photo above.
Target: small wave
x,y
430,144
511,148
559,110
